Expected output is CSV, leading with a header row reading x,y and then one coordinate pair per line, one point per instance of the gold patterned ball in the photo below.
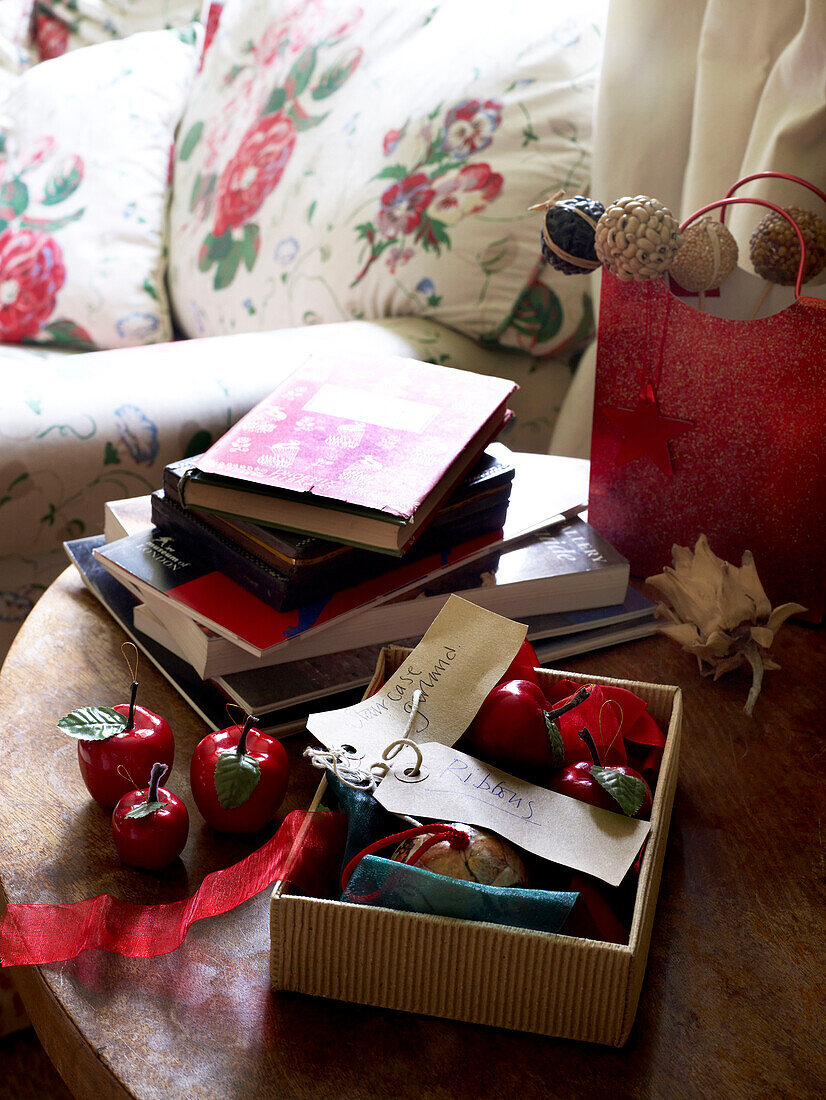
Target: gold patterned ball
x,y
637,238
775,250
706,257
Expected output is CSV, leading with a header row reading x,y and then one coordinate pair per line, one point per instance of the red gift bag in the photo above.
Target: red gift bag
x,y
704,424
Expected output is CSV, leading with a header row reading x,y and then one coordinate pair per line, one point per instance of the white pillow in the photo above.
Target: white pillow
x,y
84,192
341,162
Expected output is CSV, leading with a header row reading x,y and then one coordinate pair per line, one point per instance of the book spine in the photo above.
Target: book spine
x,y
273,588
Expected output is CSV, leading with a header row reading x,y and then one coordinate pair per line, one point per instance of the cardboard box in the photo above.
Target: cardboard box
x,y
482,973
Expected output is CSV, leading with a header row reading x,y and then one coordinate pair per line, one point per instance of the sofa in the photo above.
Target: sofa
x,y
260,179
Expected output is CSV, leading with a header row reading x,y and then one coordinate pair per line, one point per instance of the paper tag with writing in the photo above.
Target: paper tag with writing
x,y
460,658
457,787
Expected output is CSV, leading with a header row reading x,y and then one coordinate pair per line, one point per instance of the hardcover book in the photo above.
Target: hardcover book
x,y
287,570
361,451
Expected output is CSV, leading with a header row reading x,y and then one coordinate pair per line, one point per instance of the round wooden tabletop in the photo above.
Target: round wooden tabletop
x,y
734,991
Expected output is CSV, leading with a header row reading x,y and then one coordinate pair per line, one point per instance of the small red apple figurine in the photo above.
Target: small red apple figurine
x,y
615,787
117,746
150,826
239,778
516,727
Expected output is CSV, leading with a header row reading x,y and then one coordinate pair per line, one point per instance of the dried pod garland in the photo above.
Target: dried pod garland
x,y
774,249
706,257
567,238
720,613
637,238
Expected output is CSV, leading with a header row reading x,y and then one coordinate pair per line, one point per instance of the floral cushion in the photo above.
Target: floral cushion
x,y
341,162
63,25
84,192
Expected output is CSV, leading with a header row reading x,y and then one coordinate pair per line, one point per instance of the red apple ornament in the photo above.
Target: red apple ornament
x,y
239,778
117,746
150,826
615,787
516,727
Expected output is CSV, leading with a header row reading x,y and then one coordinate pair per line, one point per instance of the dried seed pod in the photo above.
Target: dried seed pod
x,y
488,858
706,256
774,249
720,612
637,238
567,237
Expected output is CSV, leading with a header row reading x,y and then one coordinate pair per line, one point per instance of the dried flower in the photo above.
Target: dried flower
x,y
720,613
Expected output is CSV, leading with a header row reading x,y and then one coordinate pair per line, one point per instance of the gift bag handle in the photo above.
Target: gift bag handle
x,y
772,206
774,176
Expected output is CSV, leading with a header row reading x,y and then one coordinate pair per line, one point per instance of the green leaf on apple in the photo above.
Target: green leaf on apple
x,y
92,723
144,809
555,738
627,790
236,777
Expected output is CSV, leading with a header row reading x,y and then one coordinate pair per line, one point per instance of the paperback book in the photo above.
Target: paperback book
x,y
161,568
565,568
206,698
553,637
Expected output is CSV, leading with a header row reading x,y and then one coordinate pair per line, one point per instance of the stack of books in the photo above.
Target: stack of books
x,y
337,516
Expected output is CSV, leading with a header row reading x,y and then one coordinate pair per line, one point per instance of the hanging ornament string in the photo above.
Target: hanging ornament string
x,y
306,851
130,650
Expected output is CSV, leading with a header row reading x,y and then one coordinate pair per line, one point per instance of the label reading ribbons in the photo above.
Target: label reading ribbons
x,y
460,658
457,787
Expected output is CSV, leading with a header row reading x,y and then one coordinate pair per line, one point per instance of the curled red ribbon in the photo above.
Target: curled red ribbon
x,y
306,851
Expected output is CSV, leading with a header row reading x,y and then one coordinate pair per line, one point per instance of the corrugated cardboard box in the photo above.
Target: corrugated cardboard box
x,y
482,973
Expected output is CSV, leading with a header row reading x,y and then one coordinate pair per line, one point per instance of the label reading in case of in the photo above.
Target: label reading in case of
x,y
457,787
460,658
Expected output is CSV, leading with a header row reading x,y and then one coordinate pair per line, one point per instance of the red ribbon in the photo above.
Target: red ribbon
x,y
306,851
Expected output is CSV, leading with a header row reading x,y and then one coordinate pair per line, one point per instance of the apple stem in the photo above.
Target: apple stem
x,y
156,777
130,721
242,741
574,701
585,734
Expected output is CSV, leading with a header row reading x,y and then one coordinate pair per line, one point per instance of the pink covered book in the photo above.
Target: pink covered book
x,y
362,451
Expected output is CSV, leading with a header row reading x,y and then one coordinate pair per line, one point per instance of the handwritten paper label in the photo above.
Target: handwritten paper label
x,y
457,787
455,665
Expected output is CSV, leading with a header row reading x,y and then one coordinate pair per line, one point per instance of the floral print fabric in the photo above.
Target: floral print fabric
x,y
84,192
341,162
63,25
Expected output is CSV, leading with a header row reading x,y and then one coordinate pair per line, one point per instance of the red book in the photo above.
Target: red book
x,y
362,451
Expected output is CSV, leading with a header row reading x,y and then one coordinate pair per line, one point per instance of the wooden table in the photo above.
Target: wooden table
x,y
732,1004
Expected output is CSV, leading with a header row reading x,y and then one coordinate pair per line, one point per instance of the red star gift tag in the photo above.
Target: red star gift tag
x,y
645,432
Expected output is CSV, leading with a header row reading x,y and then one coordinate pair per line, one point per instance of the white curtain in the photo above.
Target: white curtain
x,y
693,96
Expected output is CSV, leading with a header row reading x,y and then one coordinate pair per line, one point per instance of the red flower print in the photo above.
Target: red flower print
x,y
213,19
51,36
403,203
465,192
31,273
392,139
469,127
254,171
